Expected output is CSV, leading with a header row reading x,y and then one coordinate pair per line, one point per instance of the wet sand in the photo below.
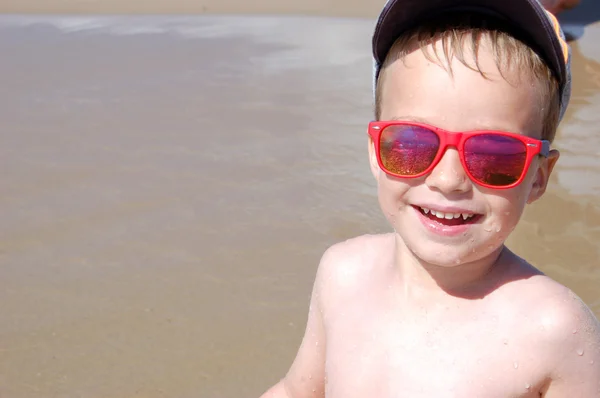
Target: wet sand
x,y
169,184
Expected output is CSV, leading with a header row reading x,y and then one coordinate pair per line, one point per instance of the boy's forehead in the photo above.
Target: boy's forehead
x,y
444,52
456,97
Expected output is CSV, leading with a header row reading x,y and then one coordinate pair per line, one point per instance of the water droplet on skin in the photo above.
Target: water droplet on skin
x,y
316,343
498,229
487,229
505,341
458,261
527,386
516,365
309,377
580,352
574,331
592,362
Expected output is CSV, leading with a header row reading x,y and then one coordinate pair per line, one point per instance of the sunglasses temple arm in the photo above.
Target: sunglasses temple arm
x,y
545,150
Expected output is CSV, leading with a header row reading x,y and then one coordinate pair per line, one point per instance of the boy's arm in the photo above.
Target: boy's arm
x,y
306,377
576,353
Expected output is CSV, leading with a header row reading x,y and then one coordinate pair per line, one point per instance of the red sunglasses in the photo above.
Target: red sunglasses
x,y
493,159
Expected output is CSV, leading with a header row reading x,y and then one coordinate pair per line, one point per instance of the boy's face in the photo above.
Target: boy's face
x,y
417,89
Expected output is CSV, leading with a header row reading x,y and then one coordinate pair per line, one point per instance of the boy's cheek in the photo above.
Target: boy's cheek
x,y
388,201
391,192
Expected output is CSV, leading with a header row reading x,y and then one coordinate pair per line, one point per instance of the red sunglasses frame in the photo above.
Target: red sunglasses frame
x,y
534,147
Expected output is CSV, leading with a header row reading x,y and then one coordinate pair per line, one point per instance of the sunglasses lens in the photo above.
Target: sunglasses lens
x,y
496,160
407,150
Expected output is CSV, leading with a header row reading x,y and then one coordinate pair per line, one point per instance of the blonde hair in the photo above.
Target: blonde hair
x,y
461,36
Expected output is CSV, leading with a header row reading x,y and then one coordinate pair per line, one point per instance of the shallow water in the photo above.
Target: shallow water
x,y
169,184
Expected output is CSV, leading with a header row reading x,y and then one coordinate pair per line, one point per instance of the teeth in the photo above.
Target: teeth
x,y
447,216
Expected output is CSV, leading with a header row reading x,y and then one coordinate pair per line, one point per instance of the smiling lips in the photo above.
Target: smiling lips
x,y
447,218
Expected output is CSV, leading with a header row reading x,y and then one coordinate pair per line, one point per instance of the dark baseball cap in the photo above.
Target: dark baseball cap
x,y
540,28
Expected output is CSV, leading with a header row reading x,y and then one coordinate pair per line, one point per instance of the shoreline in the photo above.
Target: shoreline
x,y
334,8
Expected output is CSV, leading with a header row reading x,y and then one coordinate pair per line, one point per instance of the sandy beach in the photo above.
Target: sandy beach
x,y
170,182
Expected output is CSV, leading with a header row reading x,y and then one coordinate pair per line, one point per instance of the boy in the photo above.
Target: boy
x,y
469,94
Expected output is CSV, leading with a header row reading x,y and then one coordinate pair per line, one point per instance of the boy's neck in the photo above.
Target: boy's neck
x,y
466,280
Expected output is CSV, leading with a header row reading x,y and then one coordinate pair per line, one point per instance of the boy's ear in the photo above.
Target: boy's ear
x,y
542,176
373,160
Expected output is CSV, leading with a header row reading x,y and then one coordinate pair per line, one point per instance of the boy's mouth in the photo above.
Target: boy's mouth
x,y
448,219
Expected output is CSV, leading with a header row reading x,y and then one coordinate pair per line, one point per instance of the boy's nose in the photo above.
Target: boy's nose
x,y
449,175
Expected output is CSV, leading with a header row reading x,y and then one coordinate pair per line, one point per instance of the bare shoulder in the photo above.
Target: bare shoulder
x,y
561,331
570,343
551,306
555,307
564,315
347,260
345,266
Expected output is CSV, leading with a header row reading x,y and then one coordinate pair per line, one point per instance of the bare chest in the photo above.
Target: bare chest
x,y
375,355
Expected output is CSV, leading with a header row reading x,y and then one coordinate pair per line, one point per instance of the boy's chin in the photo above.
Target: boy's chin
x,y
449,260
452,256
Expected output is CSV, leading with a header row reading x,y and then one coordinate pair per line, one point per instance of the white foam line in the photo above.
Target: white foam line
x,y
309,41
